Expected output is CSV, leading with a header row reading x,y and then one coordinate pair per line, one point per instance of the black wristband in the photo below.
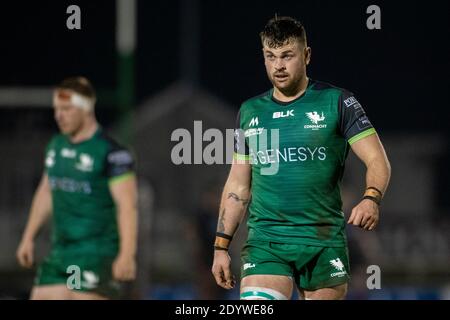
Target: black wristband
x,y
377,201
223,235
220,248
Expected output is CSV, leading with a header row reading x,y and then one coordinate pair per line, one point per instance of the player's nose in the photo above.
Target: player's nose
x,y
279,64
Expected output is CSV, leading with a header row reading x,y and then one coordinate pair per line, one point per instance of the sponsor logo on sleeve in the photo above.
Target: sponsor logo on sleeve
x,y
363,122
122,157
350,101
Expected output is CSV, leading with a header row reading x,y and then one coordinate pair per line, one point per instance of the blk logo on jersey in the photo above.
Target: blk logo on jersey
x,y
248,266
121,157
315,119
283,114
68,153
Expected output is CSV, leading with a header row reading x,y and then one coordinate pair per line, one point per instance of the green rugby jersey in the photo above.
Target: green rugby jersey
x,y
79,174
296,177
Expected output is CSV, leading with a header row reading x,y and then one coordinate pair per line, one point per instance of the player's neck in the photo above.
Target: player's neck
x,y
85,132
289,95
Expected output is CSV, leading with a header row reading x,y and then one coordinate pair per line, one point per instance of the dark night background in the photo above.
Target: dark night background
x,y
399,73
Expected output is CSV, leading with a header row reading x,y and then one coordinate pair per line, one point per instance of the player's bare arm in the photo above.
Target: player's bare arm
x,y
235,197
124,193
40,211
370,150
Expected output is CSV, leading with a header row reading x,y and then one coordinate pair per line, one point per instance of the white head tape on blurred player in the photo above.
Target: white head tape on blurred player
x,y
76,99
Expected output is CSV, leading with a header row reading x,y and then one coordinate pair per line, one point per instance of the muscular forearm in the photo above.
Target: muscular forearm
x,y
127,224
40,211
378,173
232,208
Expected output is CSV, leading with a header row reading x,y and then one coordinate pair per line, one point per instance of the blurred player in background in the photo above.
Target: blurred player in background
x,y
296,224
89,191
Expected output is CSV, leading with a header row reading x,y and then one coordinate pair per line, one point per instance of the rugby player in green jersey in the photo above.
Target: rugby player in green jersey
x,y
89,191
290,151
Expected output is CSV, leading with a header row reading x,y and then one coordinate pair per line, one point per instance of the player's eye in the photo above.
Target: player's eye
x,y
270,56
288,57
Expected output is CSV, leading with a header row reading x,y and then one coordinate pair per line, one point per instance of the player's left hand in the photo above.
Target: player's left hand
x,y
365,215
124,268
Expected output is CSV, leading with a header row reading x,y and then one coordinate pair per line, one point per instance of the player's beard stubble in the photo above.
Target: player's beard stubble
x,y
286,83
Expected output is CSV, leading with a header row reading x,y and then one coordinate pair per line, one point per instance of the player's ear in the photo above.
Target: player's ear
x,y
307,53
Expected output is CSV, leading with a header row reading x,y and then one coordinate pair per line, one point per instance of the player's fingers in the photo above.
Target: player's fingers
x,y
367,225
373,225
19,257
233,281
29,259
117,274
125,274
218,276
25,259
357,219
228,277
21,261
365,220
126,277
132,274
221,282
352,216
374,222
122,274
218,280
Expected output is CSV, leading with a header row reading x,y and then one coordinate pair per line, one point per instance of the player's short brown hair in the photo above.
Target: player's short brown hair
x,y
281,30
80,85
